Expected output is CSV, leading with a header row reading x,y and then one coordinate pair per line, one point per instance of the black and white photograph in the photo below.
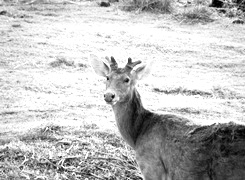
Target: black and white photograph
x,y
122,89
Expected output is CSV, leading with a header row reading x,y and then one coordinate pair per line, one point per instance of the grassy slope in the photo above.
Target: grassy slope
x,y
54,123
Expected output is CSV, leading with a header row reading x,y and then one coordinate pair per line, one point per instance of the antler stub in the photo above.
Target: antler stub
x,y
130,65
113,63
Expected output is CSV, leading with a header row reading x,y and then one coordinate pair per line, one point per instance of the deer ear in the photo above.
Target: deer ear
x,y
143,71
99,66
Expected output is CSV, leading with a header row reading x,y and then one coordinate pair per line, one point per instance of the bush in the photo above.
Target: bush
x,y
163,6
195,14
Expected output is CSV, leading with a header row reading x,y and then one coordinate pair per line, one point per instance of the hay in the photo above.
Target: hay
x,y
54,152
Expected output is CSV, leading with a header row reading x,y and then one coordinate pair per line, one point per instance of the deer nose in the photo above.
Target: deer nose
x,y
108,97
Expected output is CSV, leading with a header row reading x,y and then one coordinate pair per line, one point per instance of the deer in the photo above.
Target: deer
x,y
168,146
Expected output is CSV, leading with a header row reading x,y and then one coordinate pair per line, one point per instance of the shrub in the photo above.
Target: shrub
x,y
163,6
195,14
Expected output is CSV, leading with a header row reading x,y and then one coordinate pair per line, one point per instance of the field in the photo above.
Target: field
x,y
54,123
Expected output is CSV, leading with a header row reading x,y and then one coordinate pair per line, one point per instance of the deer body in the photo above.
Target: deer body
x,y
169,147
144,131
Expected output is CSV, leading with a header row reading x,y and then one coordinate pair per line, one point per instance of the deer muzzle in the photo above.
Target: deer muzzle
x,y
109,97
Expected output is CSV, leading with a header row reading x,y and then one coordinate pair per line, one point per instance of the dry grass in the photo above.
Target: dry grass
x,y
161,6
61,61
184,91
55,152
196,14
215,92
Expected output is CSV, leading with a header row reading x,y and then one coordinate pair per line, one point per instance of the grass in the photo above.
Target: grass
x,y
54,152
162,6
60,61
215,92
183,91
196,14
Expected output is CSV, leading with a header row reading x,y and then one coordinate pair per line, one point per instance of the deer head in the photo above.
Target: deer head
x,y
120,82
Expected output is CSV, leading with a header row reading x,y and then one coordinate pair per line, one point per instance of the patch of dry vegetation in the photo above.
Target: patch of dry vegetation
x,y
196,14
61,61
198,11
162,6
216,92
183,91
55,152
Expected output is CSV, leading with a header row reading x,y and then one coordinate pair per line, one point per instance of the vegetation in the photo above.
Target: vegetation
x,y
55,152
163,6
216,92
194,11
197,13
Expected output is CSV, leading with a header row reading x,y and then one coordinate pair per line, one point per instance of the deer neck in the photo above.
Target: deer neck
x,y
130,118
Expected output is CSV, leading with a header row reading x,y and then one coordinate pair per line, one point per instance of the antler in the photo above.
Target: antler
x,y
112,62
130,65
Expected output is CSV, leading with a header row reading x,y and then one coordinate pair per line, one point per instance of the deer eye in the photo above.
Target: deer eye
x,y
126,80
107,78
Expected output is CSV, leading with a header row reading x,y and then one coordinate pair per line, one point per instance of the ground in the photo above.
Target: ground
x,y
46,79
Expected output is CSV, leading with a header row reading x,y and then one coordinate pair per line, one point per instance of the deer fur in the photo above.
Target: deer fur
x,y
169,147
